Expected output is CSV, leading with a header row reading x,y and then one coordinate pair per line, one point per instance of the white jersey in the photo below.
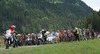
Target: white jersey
x,y
47,32
40,36
8,33
56,34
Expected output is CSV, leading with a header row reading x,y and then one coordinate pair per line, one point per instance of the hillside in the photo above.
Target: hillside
x,y
34,15
84,47
91,21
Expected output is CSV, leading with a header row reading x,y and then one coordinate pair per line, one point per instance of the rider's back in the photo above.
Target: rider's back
x,y
8,33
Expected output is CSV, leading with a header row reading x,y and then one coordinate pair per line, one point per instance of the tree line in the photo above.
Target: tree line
x,y
34,15
92,21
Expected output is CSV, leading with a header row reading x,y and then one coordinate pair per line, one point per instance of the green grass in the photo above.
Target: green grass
x,y
84,47
1,42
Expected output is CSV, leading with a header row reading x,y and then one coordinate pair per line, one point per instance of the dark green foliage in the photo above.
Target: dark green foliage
x,y
92,21
34,15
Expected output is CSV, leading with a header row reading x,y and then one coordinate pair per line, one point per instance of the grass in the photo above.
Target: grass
x,y
1,42
84,47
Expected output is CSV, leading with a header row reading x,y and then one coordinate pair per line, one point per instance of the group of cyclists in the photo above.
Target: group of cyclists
x,y
45,37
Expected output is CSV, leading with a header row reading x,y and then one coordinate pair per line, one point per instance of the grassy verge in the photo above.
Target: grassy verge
x,y
1,42
84,47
